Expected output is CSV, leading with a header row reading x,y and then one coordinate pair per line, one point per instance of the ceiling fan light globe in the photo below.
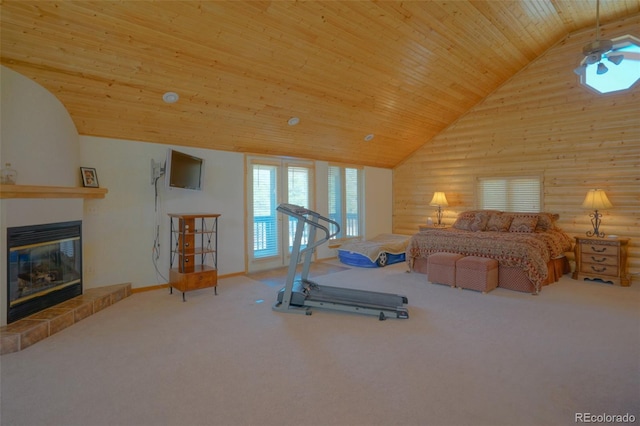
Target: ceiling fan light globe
x,y
580,70
602,68
616,59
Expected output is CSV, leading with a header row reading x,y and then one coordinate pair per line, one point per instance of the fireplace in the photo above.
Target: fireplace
x,y
44,267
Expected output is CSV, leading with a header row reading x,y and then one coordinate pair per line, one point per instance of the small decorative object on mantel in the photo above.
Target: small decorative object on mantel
x,y
89,177
595,200
9,175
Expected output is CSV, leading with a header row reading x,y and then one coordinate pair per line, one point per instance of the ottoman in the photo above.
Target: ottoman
x,y
441,268
477,273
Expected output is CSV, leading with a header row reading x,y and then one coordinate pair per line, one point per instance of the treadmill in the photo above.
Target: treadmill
x,y
301,295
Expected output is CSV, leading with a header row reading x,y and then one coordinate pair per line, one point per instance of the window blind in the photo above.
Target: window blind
x,y
265,226
352,203
511,194
344,200
298,185
335,197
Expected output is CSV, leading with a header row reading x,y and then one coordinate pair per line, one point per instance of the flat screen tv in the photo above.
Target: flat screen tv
x,y
184,171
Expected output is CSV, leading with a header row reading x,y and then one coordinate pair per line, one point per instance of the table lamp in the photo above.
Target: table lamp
x,y
441,201
595,200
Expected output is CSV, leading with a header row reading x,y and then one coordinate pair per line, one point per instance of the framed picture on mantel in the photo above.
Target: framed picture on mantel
x,y
89,177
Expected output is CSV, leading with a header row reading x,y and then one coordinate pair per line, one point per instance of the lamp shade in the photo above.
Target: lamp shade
x,y
439,200
596,199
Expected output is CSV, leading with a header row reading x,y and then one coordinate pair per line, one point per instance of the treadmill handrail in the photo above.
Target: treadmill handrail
x,y
300,213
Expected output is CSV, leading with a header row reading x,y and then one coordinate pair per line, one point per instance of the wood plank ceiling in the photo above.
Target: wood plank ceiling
x,y
402,71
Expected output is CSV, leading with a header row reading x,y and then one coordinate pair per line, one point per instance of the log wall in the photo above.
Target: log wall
x,y
541,121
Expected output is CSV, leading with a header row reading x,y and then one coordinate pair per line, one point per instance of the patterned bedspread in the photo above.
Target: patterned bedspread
x,y
529,251
389,243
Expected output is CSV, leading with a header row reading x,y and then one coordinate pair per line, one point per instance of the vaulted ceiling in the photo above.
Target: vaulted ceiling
x,y
400,71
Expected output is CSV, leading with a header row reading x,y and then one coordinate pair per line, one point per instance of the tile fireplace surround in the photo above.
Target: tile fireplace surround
x,y
34,328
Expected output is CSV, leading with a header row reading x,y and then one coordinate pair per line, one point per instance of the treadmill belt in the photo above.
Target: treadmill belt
x,y
363,298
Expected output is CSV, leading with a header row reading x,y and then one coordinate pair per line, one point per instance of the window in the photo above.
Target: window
x,y
271,181
265,242
510,194
344,200
616,70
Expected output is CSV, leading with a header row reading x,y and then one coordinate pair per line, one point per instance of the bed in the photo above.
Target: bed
x,y
382,250
529,247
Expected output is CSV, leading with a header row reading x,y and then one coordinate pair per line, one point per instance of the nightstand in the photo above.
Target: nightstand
x,y
430,227
602,258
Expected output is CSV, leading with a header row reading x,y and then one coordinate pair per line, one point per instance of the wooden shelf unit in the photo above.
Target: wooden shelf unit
x,y
194,252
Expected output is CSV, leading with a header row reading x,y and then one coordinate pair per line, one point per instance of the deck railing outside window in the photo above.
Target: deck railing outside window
x,y
264,235
352,228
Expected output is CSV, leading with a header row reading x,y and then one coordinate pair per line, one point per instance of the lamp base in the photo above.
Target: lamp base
x,y
595,222
439,215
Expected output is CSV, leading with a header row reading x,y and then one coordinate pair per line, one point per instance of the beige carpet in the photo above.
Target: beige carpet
x,y
277,277
463,358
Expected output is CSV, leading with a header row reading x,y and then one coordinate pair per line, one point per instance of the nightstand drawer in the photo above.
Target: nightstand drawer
x,y
599,259
599,249
590,268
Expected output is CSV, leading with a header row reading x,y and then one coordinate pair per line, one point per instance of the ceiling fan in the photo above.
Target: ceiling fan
x,y
598,50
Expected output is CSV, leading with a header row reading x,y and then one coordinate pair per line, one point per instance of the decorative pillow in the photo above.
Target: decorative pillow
x,y
463,222
499,223
524,223
479,222
546,221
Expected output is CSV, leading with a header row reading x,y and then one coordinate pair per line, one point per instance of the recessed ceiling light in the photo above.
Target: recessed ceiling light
x,y
170,97
369,137
293,121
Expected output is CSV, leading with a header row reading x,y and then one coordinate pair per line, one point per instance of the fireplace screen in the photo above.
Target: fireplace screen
x,y
45,267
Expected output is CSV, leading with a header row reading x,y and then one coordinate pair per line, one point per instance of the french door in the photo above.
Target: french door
x,y
271,181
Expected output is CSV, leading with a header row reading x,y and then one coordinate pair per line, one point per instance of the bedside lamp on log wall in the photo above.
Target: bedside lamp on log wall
x,y
596,200
441,201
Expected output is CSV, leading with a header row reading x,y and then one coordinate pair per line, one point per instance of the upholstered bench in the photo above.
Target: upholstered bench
x,y
441,268
477,273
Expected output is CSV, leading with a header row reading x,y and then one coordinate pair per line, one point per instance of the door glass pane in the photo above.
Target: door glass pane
x,y
344,200
298,194
351,195
335,198
265,224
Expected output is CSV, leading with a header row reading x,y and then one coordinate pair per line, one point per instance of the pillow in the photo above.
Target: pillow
x,y
463,222
479,222
546,221
499,223
524,223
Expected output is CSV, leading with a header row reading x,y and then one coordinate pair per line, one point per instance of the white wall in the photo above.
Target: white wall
x,y
40,140
121,228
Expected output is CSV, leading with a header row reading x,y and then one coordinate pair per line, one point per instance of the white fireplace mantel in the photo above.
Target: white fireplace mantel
x,y
37,191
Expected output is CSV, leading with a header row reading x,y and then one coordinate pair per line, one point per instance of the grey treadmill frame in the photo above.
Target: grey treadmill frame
x,y
366,302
